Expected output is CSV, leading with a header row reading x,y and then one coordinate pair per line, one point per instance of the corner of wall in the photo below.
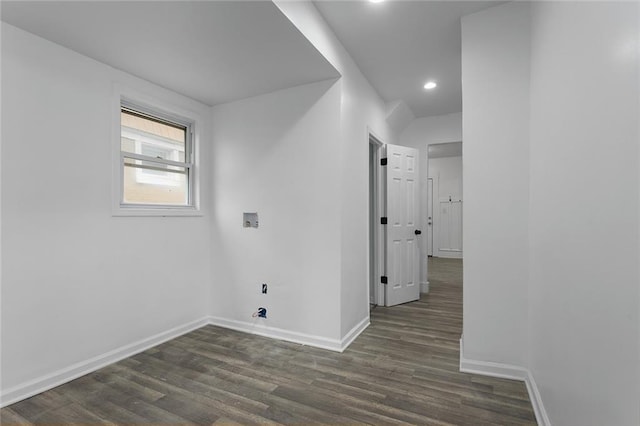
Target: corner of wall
x,y
354,333
511,372
399,116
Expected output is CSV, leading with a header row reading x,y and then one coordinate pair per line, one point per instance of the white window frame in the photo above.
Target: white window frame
x,y
139,138
164,109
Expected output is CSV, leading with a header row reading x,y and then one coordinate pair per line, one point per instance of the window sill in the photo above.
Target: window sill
x,y
157,211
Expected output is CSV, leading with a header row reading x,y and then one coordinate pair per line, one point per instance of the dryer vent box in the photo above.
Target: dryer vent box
x,y
250,220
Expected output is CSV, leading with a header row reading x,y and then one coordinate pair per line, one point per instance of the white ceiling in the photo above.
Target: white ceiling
x,y
212,51
399,45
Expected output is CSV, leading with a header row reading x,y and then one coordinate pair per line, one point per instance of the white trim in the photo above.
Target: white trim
x,y
79,369
293,336
141,157
354,333
507,371
424,287
379,205
278,333
493,369
151,211
536,401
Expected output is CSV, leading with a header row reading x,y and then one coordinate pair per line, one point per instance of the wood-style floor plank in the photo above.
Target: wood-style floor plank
x,y
402,370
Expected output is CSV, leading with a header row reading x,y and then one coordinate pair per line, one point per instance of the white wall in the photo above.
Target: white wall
x,y
429,130
583,294
530,96
399,115
495,100
361,109
269,157
447,171
76,281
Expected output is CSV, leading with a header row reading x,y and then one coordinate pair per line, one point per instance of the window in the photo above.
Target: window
x,y
156,160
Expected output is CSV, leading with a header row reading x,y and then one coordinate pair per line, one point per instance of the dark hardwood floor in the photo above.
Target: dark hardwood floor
x,y
402,369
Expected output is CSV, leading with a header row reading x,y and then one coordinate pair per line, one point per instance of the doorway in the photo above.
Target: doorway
x,y
394,219
430,217
376,253
444,213
444,194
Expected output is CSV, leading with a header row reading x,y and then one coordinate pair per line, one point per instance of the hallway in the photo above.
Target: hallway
x,y
445,271
423,337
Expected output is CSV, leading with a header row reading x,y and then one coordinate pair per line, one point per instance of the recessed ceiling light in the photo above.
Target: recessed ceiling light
x,y
430,85
376,1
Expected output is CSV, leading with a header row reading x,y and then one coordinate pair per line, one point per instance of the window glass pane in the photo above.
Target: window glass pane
x,y
148,182
142,135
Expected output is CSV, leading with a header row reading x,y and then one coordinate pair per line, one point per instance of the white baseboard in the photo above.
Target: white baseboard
x,y
64,375
536,401
424,287
354,333
507,371
278,333
493,369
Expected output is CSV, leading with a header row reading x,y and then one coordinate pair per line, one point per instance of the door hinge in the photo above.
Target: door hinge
x,y
383,161
383,279
383,220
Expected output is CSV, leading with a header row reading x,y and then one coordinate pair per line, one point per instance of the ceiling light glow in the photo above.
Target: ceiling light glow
x,y
430,85
376,1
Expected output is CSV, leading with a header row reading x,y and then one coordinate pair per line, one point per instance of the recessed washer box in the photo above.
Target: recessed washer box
x,y
250,220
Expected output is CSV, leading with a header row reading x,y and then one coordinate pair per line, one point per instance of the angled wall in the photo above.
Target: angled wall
x,y
361,110
495,73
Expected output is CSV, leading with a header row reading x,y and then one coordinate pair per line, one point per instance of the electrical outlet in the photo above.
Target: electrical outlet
x,y
264,289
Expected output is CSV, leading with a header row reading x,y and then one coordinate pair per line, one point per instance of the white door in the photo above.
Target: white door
x,y
429,217
402,250
450,228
